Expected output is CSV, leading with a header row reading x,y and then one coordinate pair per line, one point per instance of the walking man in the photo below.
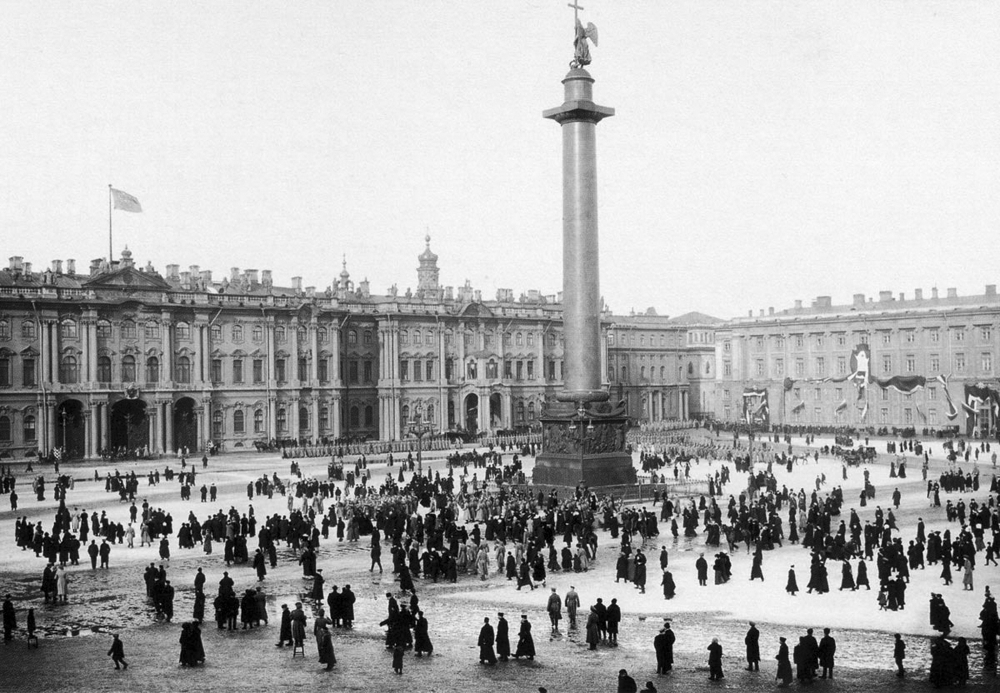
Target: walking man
x,y
117,653
555,610
572,603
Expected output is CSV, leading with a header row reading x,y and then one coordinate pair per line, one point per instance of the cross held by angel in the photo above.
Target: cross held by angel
x,y
581,49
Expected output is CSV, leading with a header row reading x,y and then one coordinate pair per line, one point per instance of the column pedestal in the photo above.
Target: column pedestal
x,y
586,449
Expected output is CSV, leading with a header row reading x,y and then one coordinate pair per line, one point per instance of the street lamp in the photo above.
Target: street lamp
x,y
419,429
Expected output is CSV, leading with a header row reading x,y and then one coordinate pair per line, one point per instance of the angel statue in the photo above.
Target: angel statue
x,y
581,51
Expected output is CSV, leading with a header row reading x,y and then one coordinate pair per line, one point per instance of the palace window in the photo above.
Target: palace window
x,y
279,370
68,371
28,329
471,370
152,370
841,365
5,372
323,369
258,370
258,334
183,370
239,421
760,367
820,366
324,418
282,418
103,329
404,338
352,337
887,364
418,372
986,362
216,371
303,369
216,333
959,334
322,336
237,333
128,369
29,429
151,330
960,362
531,339
5,433
369,415
935,363
183,330
367,368
935,335
67,329
404,370
279,334
985,334
217,423
911,363
355,417
258,421
28,372
531,369
491,369
430,370
237,371
368,337
352,371
887,338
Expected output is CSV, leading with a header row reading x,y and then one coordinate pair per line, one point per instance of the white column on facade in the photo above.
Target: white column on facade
x,y
269,331
292,417
293,377
314,415
335,415
50,424
272,416
85,356
90,416
168,419
314,347
166,337
154,430
442,405
105,424
335,359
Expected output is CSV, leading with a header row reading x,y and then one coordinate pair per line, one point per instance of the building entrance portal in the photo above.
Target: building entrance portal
x,y
185,425
472,414
496,411
129,427
71,434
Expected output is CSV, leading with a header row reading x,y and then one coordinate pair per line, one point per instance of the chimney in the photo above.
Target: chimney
x,y
918,294
859,299
206,277
57,266
297,284
991,289
186,280
770,310
265,278
824,301
234,274
250,275
311,291
27,269
71,266
172,272
195,271
952,293
798,304
761,314
17,263
934,293
902,296
884,296
95,266
750,313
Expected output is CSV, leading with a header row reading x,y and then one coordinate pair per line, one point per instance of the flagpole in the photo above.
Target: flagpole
x,y
110,246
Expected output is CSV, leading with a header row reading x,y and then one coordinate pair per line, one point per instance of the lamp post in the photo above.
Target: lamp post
x,y
419,429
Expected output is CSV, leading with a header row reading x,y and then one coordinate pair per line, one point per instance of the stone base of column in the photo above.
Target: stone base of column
x,y
583,448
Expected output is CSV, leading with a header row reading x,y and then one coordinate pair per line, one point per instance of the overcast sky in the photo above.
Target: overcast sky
x,y
762,152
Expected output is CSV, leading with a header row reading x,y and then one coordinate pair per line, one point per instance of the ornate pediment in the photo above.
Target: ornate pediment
x,y
128,278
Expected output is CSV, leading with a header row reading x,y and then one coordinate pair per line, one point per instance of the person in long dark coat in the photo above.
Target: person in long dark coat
x,y
298,624
702,565
524,575
784,665
405,580
317,587
347,600
715,661
752,641
421,636
593,628
614,618
669,588
756,570
503,637
792,586
248,609
486,640
325,644
9,619
827,652
847,577
862,578
285,630
663,643
525,643
640,571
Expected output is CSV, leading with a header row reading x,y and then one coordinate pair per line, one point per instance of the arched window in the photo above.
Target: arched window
x,y
128,329
406,413
217,423
183,370
28,329
279,334
518,339
471,371
5,429
352,337
258,421
355,417
183,330
216,333
531,411
417,341
282,420
5,329
491,369
103,329
68,372
29,429
152,370
430,413
324,418
303,419
237,333
239,422
300,335
67,329
520,411
404,338
368,337
663,372
642,373
690,368
128,369
369,415
152,330
6,377
258,333
322,335
104,369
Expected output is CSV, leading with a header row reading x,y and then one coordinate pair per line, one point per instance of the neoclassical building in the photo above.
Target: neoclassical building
x,y
122,355
943,347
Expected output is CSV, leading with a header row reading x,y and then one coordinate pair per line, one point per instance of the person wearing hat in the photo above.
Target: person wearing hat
x,y
285,632
663,643
784,665
555,610
486,640
752,641
117,653
317,586
525,643
715,661
503,638
702,566
626,684
572,602
298,625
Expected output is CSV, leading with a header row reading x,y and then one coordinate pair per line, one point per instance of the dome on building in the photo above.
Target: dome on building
x,y
427,257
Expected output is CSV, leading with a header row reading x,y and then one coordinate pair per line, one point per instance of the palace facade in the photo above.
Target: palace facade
x,y
122,356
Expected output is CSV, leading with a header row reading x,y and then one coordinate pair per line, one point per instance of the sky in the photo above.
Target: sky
x,y
761,151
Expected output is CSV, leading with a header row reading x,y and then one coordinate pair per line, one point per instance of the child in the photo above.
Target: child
x,y
397,658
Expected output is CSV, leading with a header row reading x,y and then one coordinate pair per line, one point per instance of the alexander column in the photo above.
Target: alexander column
x,y
583,435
